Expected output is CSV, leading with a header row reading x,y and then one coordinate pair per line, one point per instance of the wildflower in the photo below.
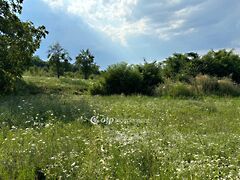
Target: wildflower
x,y
73,164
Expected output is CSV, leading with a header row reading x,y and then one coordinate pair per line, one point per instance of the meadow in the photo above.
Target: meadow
x,y
47,130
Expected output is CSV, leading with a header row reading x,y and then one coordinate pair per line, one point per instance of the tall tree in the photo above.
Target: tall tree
x,y
85,62
221,63
18,42
58,57
180,66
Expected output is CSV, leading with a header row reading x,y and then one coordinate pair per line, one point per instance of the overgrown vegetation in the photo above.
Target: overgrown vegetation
x,y
201,85
179,120
51,135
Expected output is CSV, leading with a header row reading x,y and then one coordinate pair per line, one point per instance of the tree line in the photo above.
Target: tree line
x,y
19,41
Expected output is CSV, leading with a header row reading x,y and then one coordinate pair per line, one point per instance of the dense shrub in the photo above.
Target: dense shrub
x,y
123,78
98,88
129,79
151,73
183,67
221,63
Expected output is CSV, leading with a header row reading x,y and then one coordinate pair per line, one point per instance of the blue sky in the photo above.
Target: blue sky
x,y
130,30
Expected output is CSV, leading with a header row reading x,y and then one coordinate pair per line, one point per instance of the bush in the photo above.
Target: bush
x,y
98,88
123,78
151,73
129,79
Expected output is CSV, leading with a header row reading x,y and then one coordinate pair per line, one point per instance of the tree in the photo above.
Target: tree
x,y
85,62
58,58
221,63
18,42
151,73
38,62
180,66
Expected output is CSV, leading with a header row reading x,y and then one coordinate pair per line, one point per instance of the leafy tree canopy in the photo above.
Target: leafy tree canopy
x,y
18,42
86,64
58,58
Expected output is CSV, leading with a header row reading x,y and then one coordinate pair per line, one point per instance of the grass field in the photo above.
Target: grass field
x,y
51,131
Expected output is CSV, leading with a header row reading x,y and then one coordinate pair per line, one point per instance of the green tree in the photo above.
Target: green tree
x,y
180,66
18,42
58,58
38,62
85,63
220,63
151,73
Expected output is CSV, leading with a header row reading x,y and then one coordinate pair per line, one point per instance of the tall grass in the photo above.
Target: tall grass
x,y
202,85
51,135
150,138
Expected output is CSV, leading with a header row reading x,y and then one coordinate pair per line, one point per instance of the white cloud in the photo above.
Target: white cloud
x,y
115,18
109,16
54,3
187,11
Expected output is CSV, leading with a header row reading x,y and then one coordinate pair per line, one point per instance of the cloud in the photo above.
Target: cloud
x,y
164,20
54,3
109,16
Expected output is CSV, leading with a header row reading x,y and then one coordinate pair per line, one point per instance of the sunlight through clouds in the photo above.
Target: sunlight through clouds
x,y
164,20
108,16
116,18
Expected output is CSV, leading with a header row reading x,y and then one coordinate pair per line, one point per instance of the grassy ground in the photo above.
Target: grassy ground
x,y
134,137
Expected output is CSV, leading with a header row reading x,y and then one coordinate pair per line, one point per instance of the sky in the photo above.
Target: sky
x,y
133,30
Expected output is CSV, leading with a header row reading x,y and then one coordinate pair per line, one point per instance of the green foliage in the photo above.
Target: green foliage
x,y
38,62
184,67
177,67
98,88
85,63
123,78
58,59
221,63
18,42
151,73
7,81
129,79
